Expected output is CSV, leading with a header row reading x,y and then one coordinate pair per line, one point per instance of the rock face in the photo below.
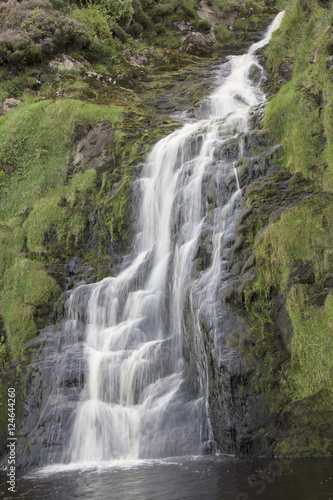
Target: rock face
x,y
8,105
91,151
42,431
68,63
55,363
206,13
194,42
199,44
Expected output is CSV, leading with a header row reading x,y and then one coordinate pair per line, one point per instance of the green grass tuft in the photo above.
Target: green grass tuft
x,y
25,285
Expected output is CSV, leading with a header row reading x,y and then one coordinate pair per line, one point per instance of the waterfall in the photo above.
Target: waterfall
x,y
142,398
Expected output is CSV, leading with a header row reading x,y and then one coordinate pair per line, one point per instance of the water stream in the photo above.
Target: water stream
x,y
141,398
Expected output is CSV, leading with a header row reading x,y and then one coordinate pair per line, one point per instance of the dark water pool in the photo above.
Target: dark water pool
x,y
209,478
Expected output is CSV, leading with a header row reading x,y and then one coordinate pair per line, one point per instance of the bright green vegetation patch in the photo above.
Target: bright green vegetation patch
x,y
44,206
312,344
60,218
34,148
24,286
301,114
295,255
302,234
118,217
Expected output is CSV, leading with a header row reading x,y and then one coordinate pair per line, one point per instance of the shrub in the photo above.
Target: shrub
x,y
95,21
119,11
118,32
188,8
32,30
162,10
160,28
203,25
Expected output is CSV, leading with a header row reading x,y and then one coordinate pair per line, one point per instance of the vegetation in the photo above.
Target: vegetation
x,y
301,115
294,253
25,285
35,142
32,30
285,262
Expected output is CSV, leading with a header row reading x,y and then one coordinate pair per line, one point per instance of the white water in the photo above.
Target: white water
x,y
141,399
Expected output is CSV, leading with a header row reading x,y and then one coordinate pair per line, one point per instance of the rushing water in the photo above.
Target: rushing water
x,y
140,400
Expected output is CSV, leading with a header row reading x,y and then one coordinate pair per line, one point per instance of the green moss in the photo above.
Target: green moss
x,y
310,432
299,240
301,113
312,344
60,217
118,211
25,285
279,250
34,146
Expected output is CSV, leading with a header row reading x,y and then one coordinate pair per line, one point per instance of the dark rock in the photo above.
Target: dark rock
x,y
286,70
73,265
329,62
328,283
303,272
9,104
92,151
255,73
199,44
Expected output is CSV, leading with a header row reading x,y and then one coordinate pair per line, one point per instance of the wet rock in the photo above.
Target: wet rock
x,y
255,143
228,150
255,73
73,265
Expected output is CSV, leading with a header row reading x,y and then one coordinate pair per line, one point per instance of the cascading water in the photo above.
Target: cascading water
x,y
142,399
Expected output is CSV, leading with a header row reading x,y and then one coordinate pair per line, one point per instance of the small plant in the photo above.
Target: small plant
x,y
203,25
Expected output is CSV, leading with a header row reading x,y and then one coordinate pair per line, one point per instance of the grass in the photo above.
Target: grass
x,y
302,236
59,218
43,205
34,145
312,344
301,114
25,285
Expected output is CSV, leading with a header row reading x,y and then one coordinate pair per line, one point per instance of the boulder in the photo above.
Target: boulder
x,y
91,151
8,105
68,63
198,44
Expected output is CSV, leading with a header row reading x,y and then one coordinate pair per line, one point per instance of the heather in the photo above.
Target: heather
x,y
32,31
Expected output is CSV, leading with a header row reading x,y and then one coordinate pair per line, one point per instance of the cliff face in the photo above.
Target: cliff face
x,y
289,296
69,152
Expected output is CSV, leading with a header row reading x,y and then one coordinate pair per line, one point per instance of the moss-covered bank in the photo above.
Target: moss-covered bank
x,y
292,288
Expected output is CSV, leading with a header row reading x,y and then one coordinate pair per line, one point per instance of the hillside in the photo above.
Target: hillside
x,y
86,90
